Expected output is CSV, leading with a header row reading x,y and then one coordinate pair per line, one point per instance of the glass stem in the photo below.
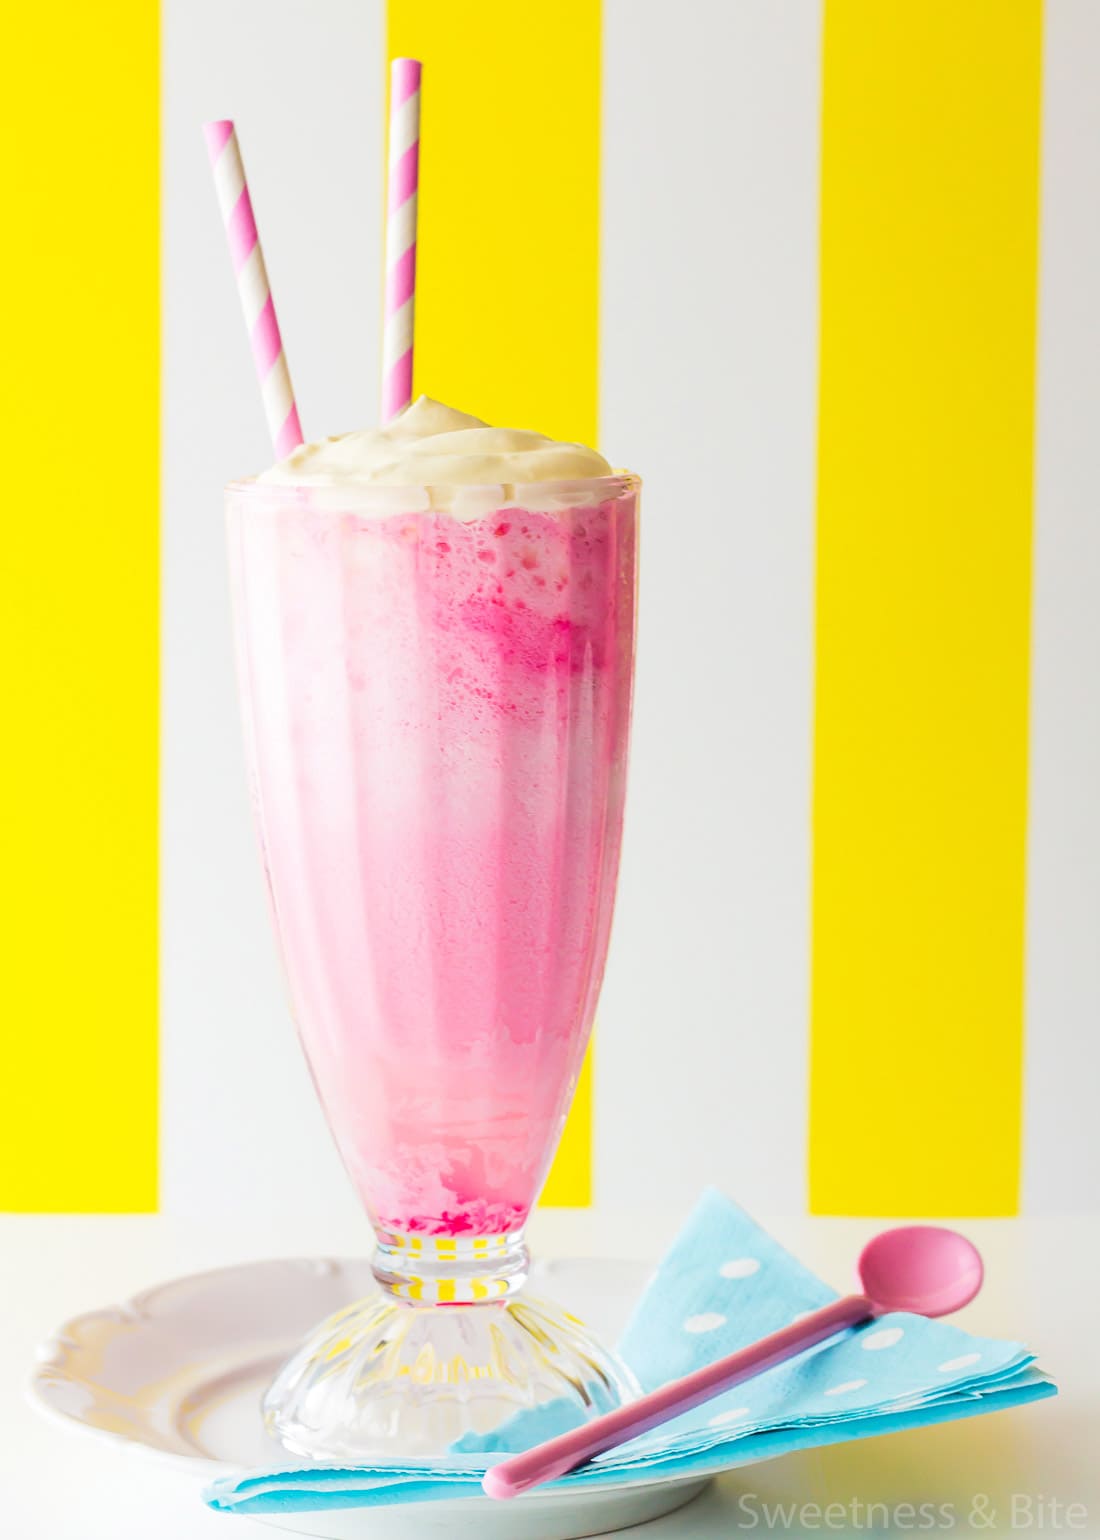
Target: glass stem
x,y
450,1269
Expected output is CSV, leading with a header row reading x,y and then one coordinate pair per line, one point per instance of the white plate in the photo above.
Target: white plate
x,y
176,1373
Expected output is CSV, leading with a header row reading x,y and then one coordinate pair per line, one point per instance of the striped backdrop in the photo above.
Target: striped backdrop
x,y
828,275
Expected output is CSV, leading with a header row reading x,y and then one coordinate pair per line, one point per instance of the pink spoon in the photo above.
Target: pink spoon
x,y
924,1269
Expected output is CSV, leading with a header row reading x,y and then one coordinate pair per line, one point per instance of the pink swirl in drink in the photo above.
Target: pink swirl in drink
x,y
436,628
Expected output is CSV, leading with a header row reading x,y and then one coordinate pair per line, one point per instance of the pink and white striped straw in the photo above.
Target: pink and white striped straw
x,y
253,287
404,179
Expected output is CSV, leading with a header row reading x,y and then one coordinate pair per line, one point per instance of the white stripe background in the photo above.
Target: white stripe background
x,y
708,386
1062,1061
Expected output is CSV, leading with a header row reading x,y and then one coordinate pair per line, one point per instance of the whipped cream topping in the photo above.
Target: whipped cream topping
x,y
432,445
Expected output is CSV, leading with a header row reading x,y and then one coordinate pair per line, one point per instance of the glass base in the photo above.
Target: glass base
x,y
385,1379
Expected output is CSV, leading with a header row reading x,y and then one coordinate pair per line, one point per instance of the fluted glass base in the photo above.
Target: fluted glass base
x,y
391,1377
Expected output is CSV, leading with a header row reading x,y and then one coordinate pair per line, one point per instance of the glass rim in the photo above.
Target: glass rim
x,y
352,494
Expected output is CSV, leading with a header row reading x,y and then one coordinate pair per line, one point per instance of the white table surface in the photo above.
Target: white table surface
x,y
1015,1472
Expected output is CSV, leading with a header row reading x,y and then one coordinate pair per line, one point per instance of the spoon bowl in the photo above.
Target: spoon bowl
x,y
925,1269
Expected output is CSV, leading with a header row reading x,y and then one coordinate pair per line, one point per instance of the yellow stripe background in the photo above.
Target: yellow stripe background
x,y
928,290
508,252
78,609
928,273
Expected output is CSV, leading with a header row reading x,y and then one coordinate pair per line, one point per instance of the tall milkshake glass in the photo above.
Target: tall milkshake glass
x,y
436,687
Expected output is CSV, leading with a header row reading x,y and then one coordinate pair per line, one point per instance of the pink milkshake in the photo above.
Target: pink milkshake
x,y
436,634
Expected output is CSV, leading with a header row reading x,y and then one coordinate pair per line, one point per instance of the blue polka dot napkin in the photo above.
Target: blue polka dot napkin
x,y
724,1283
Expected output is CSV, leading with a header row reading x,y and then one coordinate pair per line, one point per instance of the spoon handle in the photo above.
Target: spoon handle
x,y
547,1461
